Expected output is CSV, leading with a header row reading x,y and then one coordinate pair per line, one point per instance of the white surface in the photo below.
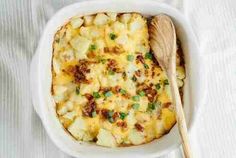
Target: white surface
x,y
41,79
21,22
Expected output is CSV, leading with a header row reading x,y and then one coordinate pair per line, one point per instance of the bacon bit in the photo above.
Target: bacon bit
x,y
121,124
146,72
115,116
106,49
140,58
91,54
104,113
79,71
118,50
97,111
115,50
151,93
89,108
153,72
105,89
112,65
124,76
138,127
116,89
166,105
141,86
88,96
138,73
83,64
127,96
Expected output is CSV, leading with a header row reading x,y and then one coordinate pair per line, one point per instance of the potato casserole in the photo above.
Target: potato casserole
x,y
106,84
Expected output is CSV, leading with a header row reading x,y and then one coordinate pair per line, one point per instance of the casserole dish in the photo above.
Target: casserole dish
x,y
41,78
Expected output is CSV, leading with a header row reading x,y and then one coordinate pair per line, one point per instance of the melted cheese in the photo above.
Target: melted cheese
x,y
113,106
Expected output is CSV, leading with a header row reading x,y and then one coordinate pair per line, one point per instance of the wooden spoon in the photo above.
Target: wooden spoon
x,y
163,44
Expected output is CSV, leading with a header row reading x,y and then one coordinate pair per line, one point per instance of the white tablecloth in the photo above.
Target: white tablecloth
x,y
22,21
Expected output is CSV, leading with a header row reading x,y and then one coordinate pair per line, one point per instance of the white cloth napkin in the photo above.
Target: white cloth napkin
x,y
21,131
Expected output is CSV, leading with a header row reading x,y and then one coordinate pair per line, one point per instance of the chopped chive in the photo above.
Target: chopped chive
x,y
148,56
123,115
96,95
135,98
77,90
130,57
92,47
112,36
108,94
135,106
110,113
111,120
141,93
166,82
103,61
151,106
122,91
158,86
146,66
110,72
94,114
134,78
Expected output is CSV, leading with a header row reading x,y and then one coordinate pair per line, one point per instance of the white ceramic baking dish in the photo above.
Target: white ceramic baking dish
x,y
41,79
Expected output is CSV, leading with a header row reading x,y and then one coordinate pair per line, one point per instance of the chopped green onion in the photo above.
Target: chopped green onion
x,y
141,93
110,72
151,106
94,114
111,120
135,106
77,90
146,66
123,115
112,36
122,91
148,56
135,98
110,113
158,86
92,47
103,61
96,95
166,82
108,94
130,57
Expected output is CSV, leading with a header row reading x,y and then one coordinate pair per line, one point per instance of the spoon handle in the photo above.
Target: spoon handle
x,y
179,113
